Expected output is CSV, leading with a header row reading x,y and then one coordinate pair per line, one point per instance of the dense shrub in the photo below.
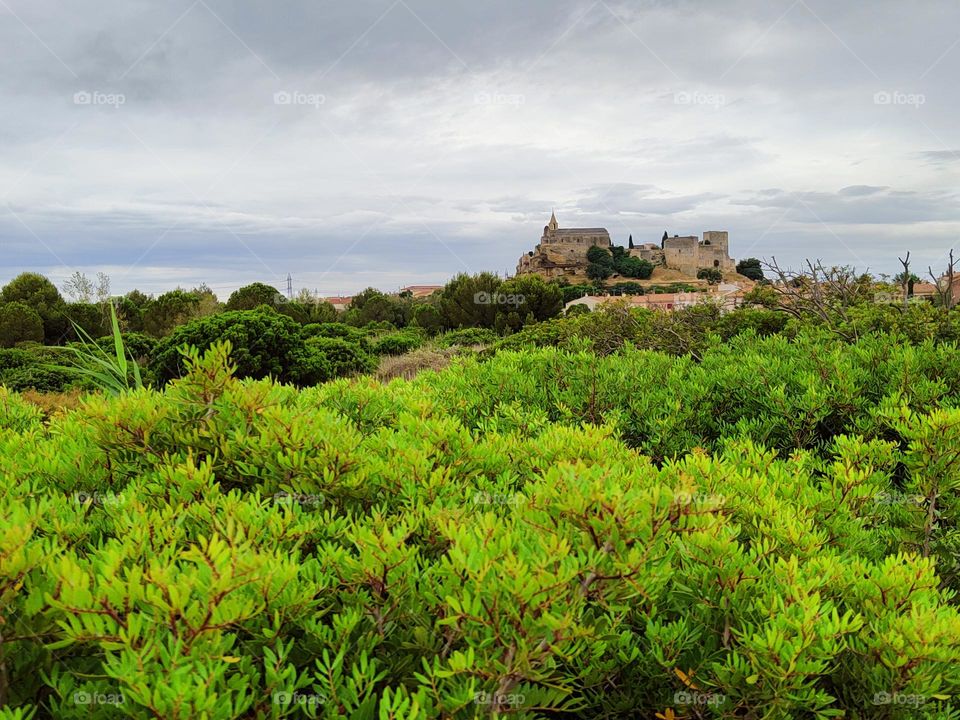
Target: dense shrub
x,y
467,336
138,345
339,330
264,342
397,343
36,367
19,323
488,541
38,377
342,356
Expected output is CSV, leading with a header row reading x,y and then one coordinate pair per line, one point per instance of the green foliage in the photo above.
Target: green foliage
x,y
113,372
264,342
635,267
768,532
170,310
466,337
91,318
39,377
397,343
751,268
31,368
598,272
19,323
626,288
308,312
355,336
532,296
711,275
253,296
470,301
138,345
427,316
600,256
604,263
41,296
373,306
343,357
574,292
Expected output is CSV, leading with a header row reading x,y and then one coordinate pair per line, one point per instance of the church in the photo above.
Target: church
x,y
562,252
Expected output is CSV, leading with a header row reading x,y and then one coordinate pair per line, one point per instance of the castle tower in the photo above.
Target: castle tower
x,y
554,225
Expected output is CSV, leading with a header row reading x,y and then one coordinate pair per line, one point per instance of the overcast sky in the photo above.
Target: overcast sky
x,y
394,142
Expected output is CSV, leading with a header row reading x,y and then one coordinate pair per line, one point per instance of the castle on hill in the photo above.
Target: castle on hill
x,y
562,252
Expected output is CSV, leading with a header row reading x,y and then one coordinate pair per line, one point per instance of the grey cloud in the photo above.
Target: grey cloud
x,y
556,104
862,205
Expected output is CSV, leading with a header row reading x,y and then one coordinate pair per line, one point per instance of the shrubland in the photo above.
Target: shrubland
x,y
762,526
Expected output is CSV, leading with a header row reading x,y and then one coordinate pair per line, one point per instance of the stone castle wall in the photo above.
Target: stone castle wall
x,y
689,254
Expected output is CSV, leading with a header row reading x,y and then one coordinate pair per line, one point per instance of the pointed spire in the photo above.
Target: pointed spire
x,y
553,221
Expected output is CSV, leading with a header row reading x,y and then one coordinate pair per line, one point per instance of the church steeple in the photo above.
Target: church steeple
x,y
553,221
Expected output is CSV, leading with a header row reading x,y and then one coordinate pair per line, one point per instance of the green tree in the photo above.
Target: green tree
x,y
572,292
129,315
41,295
711,275
597,272
635,267
600,256
470,301
169,310
19,323
254,295
750,267
89,317
427,316
531,294
377,307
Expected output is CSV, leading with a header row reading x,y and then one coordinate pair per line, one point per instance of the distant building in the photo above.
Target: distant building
x,y
421,291
562,252
728,296
339,302
689,254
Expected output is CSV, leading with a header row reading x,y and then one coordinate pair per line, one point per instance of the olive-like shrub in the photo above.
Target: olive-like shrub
x,y
487,541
